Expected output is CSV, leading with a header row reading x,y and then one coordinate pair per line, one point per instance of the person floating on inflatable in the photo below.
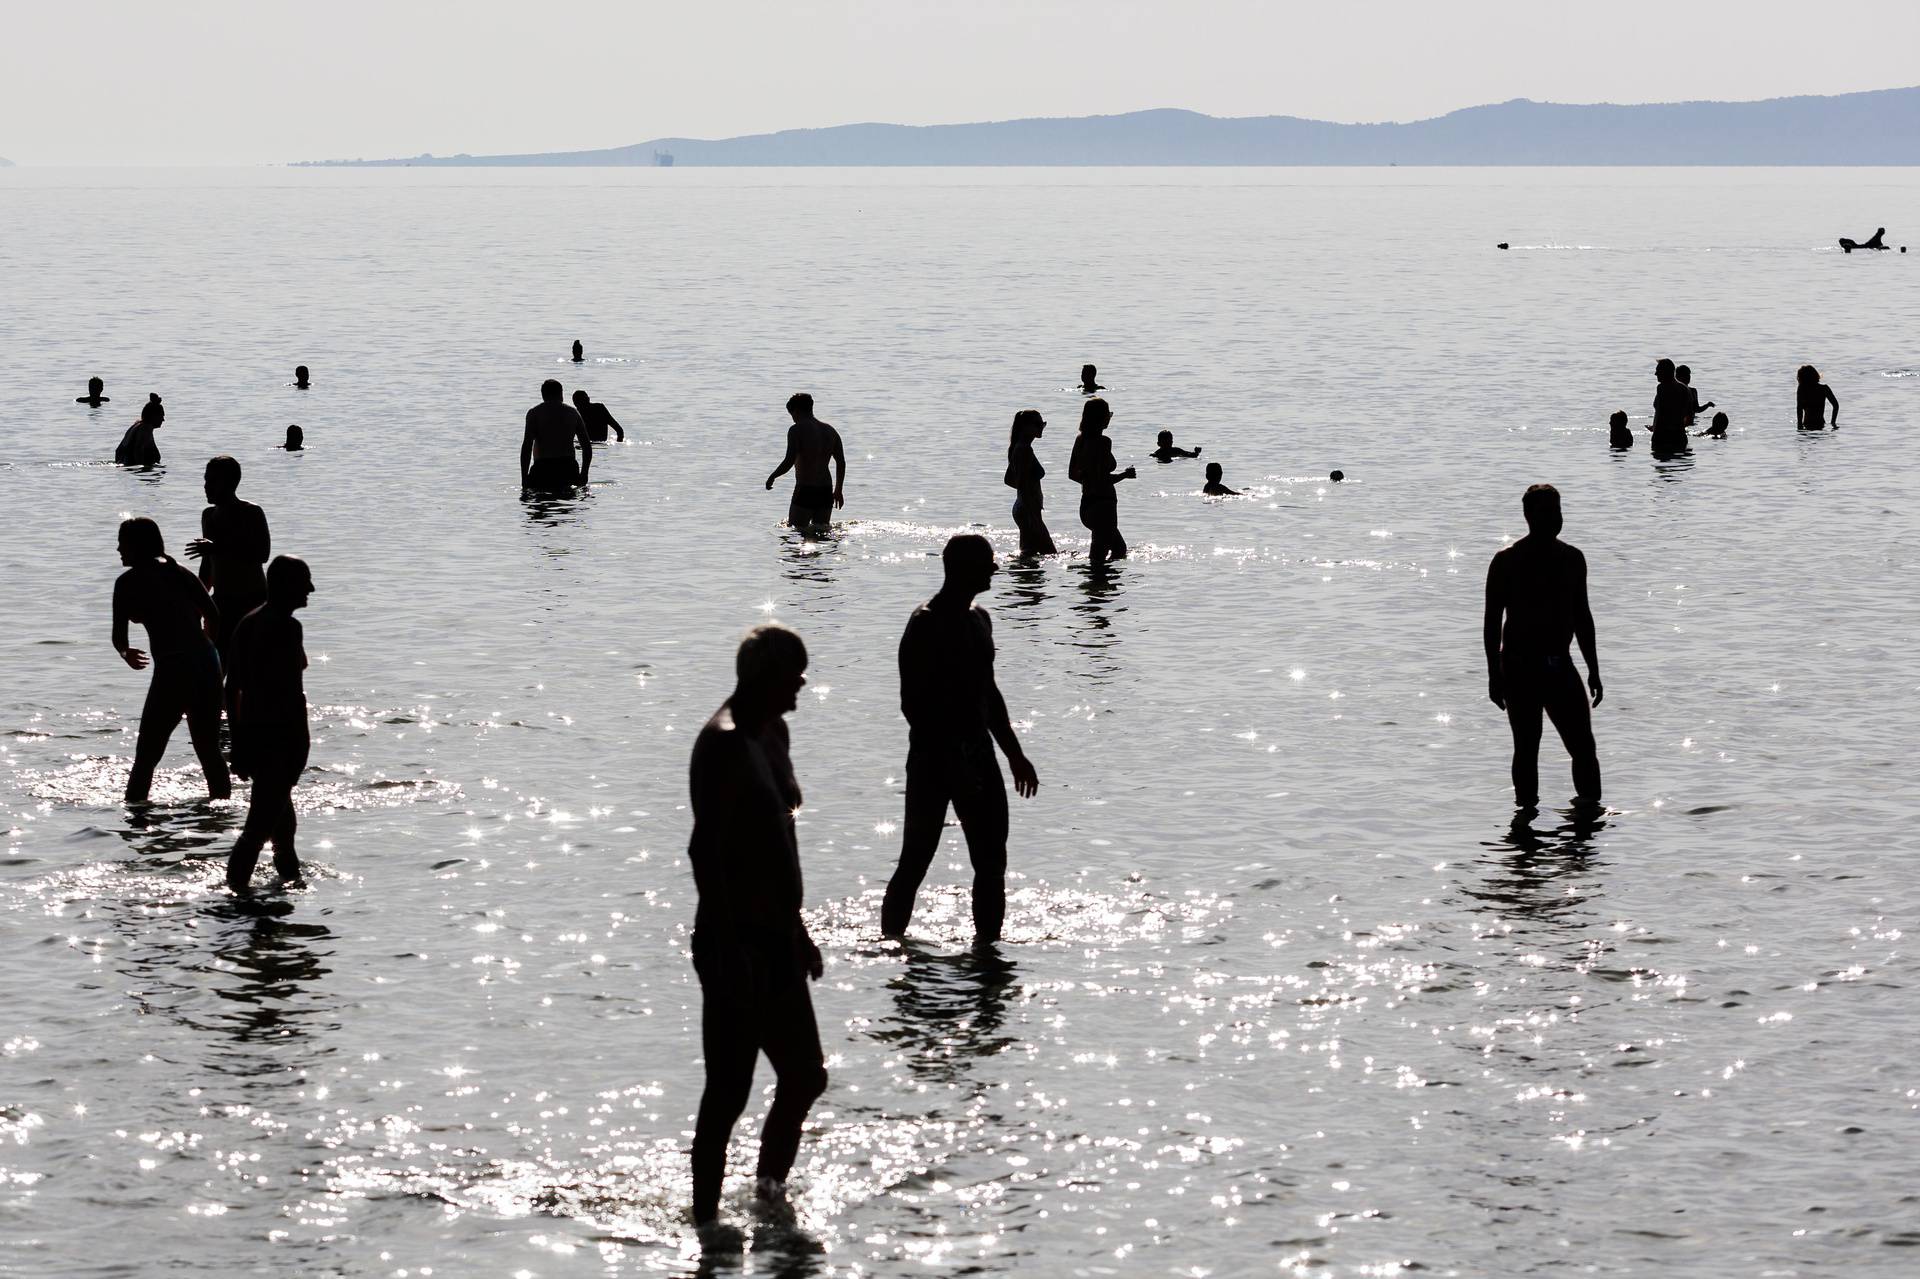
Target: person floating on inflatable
x,y
1874,243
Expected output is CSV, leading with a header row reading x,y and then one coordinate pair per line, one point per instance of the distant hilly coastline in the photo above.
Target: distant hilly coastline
x,y
5,163
1881,127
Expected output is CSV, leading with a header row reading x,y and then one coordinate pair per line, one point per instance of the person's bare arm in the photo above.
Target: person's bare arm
x,y
1127,474
209,612
619,435
201,548
793,453
1490,633
1026,781
526,449
1835,401
586,445
1583,634
132,656
839,469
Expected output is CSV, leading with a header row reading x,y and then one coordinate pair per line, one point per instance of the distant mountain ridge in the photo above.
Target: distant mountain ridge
x,y
1880,127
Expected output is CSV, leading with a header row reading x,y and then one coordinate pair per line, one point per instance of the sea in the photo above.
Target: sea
x,y
1288,987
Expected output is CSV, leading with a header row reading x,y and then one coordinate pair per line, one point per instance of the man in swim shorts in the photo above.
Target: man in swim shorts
x,y
751,950
811,444
1539,587
232,548
546,449
955,714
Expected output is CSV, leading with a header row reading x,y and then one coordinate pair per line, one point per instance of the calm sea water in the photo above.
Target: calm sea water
x,y
1287,990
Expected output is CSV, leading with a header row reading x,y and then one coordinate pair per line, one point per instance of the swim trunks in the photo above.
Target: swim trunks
x,y
553,474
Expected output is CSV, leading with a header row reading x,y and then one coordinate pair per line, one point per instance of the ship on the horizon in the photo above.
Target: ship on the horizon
x,y
663,159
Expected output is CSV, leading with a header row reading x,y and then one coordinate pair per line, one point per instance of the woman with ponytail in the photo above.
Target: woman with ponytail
x,y
1023,476
170,602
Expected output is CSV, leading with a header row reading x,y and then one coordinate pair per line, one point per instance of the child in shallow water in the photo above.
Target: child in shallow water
x,y
1619,435
1718,430
1166,452
1214,488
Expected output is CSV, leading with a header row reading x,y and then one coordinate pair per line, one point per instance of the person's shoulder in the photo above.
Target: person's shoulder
x,y
981,617
718,739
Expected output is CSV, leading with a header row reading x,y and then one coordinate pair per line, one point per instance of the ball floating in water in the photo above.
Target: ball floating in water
x,y
1337,476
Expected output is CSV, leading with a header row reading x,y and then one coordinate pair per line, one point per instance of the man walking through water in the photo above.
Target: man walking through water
x,y
955,714
811,444
751,950
1539,586
232,548
546,446
269,700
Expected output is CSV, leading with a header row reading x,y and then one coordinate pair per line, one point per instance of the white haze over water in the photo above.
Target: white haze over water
x,y
1286,989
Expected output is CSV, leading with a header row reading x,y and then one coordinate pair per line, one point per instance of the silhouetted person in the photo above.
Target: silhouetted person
x,y
1718,430
1684,376
1091,466
751,950
170,602
300,378
93,399
1811,400
597,418
270,745
811,444
1166,452
1337,476
137,447
955,714
1539,586
579,352
1088,380
232,548
1213,486
296,440
1023,476
1670,403
1619,434
546,447
1871,242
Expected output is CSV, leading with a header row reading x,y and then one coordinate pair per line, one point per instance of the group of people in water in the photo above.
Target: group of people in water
x,y
225,643
139,448
1677,406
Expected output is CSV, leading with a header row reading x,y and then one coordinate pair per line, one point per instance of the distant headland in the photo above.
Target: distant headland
x,y
5,163
1881,127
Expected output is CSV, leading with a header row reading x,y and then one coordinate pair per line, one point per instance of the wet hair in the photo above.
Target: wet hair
x,y
287,575
1719,421
581,397
1213,471
966,550
551,390
767,650
1088,373
1808,375
300,371
142,536
1664,369
153,413
295,435
95,386
1095,412
1539,500
1025,423
223,470
1618,419
799,400
1164,439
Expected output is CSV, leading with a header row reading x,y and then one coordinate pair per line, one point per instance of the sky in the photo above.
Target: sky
x,y
183,82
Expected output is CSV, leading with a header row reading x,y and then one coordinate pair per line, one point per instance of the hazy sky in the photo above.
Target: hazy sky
x,y
252,81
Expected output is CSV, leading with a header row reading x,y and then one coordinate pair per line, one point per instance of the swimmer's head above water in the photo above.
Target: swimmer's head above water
x,y
140,541
300,376
223,478
1663,370
153,413
1088,374
296,440
1719,428
579,352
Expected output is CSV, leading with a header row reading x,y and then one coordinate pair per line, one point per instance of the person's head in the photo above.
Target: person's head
x,y
1684,374
1337,476
223,477
289,582
152,414
1719,426
140,541
1214,472
1087,374
968,561
1541,506
1808,375
95,386
581,400
770,667
1094,415
1027,427
1664,370
1164,439
1619,420
296,438
578,350
800,405
300,373
551,391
